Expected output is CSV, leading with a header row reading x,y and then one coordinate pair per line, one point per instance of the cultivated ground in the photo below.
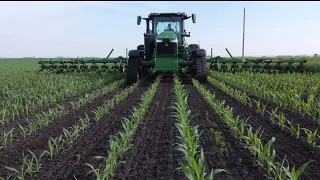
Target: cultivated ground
x,y
253,126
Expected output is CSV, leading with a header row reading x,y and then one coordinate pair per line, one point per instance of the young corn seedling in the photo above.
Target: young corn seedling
x,y
312,137
98,113
54,146
36,161
70,136
295,174
294,129
85,123
282,120
75,105
32,126
4,118
23,131
98,173
28,167
273,115
6,138
261,108
194,168
16,173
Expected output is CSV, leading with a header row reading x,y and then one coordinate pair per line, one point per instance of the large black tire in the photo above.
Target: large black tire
x,y
132,70
201,69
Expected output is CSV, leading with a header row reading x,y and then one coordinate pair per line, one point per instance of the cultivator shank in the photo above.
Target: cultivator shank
x,y
256,65
99,64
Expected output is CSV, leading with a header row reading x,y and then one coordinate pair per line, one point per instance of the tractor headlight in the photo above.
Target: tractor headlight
x,y
159,41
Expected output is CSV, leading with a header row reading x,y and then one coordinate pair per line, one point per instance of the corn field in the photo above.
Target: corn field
x,y
88,125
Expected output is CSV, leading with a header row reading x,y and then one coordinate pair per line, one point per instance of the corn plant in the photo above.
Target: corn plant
x,y
273,115
295,174
54,144
194,168
312,137
29,166
6,138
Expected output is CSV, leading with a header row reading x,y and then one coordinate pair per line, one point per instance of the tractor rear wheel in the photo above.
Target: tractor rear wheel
x,y
201,69
132,70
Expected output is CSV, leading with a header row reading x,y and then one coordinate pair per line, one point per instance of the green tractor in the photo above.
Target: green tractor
x,y
165,49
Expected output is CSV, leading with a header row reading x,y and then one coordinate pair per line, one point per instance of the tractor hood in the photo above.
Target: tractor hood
x,y
167,35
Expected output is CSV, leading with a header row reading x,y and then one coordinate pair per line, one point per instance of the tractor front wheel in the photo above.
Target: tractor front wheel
x,y
201,69
132,70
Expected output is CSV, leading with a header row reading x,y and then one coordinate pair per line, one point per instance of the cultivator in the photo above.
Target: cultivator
x,y
256,65
105,64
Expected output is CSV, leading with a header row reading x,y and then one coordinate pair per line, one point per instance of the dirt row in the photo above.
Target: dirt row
x,y
289,114
297,151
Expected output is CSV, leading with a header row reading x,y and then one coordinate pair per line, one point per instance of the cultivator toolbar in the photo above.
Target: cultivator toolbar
x,y
105,64
256,65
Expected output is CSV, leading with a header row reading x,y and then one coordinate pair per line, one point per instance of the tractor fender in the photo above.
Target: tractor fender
x,y
134,53
200,52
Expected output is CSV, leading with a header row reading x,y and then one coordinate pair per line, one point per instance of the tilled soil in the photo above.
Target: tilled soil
x,y
12,155
69,164
297,151
153,155
236,160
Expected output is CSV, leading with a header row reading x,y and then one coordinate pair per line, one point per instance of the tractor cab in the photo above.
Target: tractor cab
x,y
164,32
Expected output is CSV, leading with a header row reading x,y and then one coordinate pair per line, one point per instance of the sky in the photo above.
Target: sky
x,y
93,28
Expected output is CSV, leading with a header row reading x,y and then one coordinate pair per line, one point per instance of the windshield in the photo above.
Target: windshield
x,y
168,24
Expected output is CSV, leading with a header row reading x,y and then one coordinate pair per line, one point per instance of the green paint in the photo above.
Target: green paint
x,y
167,35
166,63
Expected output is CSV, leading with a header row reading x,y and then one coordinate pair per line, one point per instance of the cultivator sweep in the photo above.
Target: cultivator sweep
x,y
256,65
105,64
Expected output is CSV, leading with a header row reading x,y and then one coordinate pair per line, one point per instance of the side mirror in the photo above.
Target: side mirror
x,y
138,20
194,18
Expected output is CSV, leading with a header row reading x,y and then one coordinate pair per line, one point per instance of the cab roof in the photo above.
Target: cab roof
x,y
167,14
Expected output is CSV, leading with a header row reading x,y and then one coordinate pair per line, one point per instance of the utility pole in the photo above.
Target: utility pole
x,y
244,24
